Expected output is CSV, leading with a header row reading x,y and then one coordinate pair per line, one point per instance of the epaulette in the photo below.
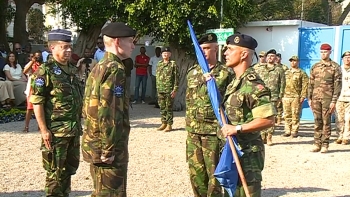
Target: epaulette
x,y
251,77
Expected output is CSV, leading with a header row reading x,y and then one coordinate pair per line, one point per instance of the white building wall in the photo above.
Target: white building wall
x,y
283,36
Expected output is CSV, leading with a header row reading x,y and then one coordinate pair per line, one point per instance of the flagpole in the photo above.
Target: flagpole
x,y
236,158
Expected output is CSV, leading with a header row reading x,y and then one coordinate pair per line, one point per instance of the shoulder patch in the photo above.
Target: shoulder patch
x,y
251,77
118,91
40,81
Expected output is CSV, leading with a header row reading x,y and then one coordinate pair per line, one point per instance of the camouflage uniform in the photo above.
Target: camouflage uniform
x,y
167,81
59,90
324,89
274,78
203,142
246,99
107,126
343,109
280,104
296,89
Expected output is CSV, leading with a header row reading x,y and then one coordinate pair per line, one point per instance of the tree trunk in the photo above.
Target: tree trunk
x,y
343,15
87,39
3,30
184,62
20,27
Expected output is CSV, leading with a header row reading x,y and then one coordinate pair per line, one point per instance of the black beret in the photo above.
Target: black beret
x,y
118,30
242,40
346,53
279,55
60,35
272,51
208,38
166,49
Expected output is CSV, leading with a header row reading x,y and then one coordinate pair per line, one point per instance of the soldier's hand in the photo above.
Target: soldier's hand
x,y
207,76
331,108
108,160
310,103
228,130
47,138
173,94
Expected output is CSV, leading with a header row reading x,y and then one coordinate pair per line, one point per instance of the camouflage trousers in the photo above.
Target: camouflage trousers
x,y
166,108
342,118
60,164
320,109
109,179
252,162
270,130
202,153
280,109
291,108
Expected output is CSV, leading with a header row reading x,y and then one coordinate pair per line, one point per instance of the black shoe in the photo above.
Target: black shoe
x,y
286,135
294,135
156,106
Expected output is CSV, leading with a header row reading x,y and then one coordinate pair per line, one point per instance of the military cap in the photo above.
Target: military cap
x,y
60,35
294,57
166,49
242,40
326,46
272,51
118,30
208,38
262,53
346,53
279,55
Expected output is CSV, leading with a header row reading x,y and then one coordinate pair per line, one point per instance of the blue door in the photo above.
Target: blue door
x,y
310,41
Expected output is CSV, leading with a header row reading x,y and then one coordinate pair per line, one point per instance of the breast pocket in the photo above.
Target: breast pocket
x,y
234,108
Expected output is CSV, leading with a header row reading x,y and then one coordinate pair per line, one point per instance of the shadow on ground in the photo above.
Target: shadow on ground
x,y
275,192
41,194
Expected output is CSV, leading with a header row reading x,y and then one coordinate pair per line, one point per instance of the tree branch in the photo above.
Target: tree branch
x,y
343,15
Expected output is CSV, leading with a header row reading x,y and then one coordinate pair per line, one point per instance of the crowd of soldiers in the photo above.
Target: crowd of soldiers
x,y
252,98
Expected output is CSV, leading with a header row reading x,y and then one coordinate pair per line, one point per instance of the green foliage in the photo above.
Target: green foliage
x,y
89,13
10,14
165,20
12,115
35,24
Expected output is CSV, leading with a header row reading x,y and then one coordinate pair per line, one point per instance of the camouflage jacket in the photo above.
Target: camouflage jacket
x,y
106,112
274,79
325,81
284,67
258,66
200,117
167,77
58,89
345,91
296,84
246,99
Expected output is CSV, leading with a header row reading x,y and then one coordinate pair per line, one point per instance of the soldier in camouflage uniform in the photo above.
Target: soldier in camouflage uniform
x,y
280,104
57,99
343,104
167,84
324,89
274,78
106,114
203,138
294,95
261,63
249,110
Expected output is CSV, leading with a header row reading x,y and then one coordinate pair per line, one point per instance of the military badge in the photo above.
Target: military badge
x,y
236,40
210,37
118,91
39,82
57,70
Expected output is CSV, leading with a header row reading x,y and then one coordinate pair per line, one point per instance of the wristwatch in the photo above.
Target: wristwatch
x,y
239,129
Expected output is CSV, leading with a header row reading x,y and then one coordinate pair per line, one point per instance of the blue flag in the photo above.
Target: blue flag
x,y
226,172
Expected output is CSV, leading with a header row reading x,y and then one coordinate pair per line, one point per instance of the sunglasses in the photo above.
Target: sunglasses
x,y
18,48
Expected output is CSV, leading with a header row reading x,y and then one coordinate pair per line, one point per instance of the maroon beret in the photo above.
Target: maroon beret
x,y
326,47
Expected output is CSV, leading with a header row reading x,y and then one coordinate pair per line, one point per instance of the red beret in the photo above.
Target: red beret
x,y
326,47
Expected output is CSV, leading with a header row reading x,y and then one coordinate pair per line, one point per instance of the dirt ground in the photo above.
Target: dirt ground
x,y
158,167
